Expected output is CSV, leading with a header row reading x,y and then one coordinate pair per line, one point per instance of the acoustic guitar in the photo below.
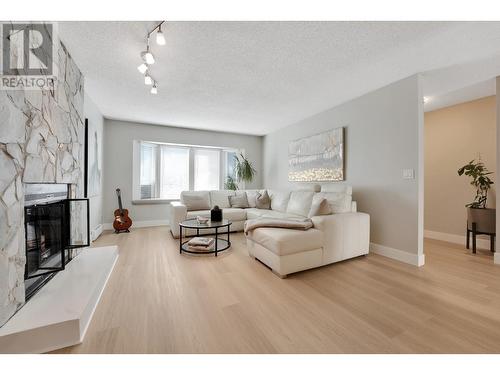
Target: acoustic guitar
x,y
122,221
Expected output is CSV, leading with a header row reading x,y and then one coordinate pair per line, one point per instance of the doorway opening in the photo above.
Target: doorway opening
x,y
460,154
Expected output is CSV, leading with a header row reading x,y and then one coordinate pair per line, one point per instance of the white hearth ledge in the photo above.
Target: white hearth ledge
x,y
60,313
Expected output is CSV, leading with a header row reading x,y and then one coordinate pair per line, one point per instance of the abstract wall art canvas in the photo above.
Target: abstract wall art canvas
x,y
94,160
318,157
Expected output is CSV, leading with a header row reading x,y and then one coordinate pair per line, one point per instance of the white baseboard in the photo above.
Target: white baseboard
x,y
481,243
140,224
496,258
95,233
400,255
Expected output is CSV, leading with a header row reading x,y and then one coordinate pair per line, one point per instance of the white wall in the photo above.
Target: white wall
x,y
96,121
383,135
497,247
118,143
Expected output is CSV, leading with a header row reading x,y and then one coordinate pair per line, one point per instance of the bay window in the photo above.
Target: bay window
x,y
206,169
163,170
173,171
148,170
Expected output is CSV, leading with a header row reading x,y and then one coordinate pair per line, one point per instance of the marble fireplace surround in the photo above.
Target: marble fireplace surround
x,y
41,140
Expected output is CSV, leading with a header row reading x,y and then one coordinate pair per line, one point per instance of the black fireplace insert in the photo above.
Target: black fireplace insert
x,y
55,225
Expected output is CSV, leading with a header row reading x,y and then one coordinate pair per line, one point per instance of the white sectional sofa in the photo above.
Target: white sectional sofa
x,y
343,234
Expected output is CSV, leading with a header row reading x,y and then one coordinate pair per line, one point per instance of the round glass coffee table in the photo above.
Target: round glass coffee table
x,y
220,244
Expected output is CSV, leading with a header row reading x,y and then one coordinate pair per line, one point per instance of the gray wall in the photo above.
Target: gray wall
x,y
96,122
118,143
382,136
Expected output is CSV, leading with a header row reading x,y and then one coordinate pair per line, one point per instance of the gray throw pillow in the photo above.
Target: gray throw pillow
x,y
319,207
263,201
239,200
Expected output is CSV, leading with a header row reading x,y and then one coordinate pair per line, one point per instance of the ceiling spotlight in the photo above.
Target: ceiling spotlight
x,y
160,37
148,80
154,89
148,57
426,99
142,68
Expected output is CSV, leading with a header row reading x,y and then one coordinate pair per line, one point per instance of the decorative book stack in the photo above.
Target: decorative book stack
x,y
201,244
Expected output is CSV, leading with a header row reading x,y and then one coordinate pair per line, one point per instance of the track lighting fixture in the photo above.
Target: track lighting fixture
x,y
142,68
160,37
148,58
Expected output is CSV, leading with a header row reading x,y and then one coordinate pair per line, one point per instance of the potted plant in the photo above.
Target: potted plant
x,y
230,183
243,171
477,212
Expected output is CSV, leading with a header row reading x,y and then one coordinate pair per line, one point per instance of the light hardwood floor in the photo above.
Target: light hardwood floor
x,y
158,301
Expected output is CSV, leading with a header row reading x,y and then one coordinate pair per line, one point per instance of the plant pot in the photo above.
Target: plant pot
x,y
485,219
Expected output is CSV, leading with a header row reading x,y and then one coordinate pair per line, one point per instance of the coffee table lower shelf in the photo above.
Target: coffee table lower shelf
x,y
221,246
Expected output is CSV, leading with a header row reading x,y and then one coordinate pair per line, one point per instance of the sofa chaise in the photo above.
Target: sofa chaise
x,y
342,234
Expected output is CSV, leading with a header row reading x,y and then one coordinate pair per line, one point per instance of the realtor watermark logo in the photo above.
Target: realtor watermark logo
x,y
27,56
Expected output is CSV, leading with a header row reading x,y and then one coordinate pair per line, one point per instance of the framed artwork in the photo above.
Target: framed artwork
x,y
93,149
319,157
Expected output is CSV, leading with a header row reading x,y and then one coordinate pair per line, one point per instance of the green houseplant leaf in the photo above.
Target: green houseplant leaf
x,y
478,173
230,183
244,169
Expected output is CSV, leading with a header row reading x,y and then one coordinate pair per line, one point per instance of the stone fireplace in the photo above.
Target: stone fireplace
x,y
41,141
55,226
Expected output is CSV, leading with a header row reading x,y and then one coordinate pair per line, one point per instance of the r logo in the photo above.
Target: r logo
x,y
27,49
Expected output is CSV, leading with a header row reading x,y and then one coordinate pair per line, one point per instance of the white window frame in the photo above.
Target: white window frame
x,y
136,168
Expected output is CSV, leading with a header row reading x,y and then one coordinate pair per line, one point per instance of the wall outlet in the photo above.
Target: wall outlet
x,y
408,174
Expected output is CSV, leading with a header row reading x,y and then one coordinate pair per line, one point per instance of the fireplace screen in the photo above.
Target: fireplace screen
x,y
52,231
44,239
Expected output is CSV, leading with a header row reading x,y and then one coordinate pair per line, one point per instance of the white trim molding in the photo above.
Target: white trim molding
x,y
496,258
481,243
96,232
140,224
400,255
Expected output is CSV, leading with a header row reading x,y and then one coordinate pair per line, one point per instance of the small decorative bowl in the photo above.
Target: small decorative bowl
x,y
202,220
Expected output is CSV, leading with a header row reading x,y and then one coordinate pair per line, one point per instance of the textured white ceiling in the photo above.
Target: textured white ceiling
x,y
462,95
256,77
460,83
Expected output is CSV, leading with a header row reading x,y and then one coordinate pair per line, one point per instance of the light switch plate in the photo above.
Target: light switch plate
x,y
408,174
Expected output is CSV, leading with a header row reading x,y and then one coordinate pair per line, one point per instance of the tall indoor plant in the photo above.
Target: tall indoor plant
x,y
477,212
243,172
480,180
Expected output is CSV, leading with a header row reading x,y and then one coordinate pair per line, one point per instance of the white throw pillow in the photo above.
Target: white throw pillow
x,y
252,196
300,202
339,202
279,200
221,198
196,200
